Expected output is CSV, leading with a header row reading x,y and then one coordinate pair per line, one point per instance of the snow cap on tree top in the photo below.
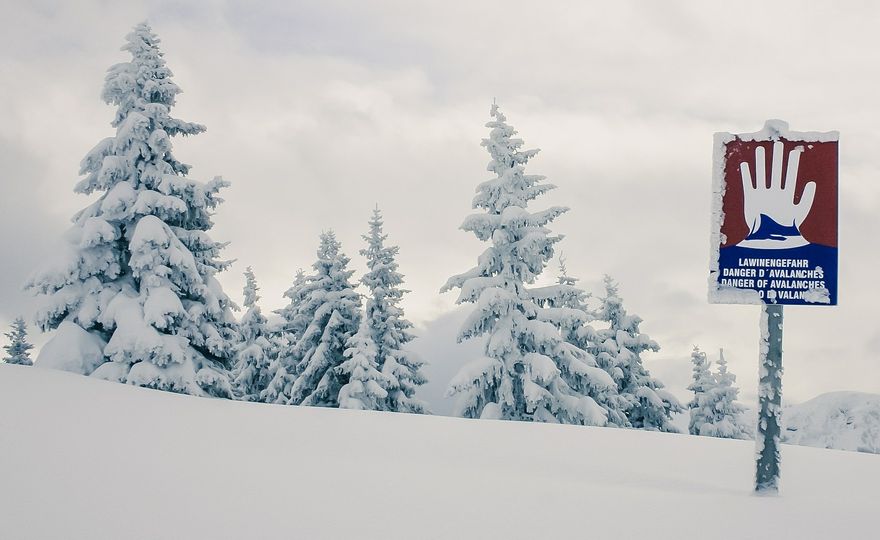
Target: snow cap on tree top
x,y
144,83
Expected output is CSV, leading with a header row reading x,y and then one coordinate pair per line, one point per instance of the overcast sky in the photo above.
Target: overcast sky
x,y
317,111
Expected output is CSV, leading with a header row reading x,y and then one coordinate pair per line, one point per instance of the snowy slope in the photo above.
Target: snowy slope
x,y
84,458
841,420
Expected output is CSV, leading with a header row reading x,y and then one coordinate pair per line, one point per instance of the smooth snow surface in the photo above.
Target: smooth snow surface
x,y
84,458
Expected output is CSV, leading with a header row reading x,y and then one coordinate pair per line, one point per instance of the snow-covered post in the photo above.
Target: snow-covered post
x,y
769,401
774,214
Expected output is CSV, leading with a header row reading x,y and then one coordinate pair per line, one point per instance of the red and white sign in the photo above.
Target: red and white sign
x,y
774,232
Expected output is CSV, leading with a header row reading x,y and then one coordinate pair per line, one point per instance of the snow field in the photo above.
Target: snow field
x,y
84,458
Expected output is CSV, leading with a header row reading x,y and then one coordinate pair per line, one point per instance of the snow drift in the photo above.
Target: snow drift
x,y
841,420
85,458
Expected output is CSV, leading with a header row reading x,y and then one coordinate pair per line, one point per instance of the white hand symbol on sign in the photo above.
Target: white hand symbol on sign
x,y
777,201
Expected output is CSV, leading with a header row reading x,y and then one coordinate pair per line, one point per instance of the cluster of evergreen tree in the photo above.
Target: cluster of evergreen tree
x,y
714,411
329,350
137,282
138,279
543,359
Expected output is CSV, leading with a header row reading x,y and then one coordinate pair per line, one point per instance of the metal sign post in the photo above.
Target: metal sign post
x,y
774,243
769,401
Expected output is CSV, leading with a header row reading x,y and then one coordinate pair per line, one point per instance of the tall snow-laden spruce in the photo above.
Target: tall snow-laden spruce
x,y
703,382
389,329
137,277
724,413
251,374
330,313
524,373
17,350
648,405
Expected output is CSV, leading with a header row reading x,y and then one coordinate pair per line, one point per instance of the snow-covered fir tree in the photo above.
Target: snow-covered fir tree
x,y
702,384
390,330
648,405
139,270
282,369
724,414
17,350
527,363
366,386
572,303
251,374
330,313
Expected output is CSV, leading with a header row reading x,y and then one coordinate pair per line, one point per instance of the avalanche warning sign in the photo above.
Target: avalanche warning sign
x,y
774,230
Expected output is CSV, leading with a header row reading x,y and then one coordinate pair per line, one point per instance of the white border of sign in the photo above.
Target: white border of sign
x,y
773,131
